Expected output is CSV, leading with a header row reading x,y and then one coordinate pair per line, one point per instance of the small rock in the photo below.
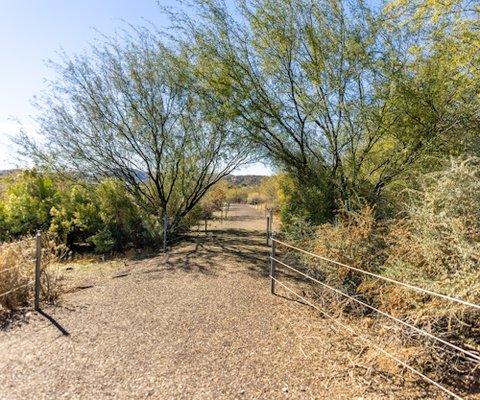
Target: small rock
x,y
242,391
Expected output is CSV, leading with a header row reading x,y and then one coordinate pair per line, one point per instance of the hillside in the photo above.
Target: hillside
x,y
5,172
244,180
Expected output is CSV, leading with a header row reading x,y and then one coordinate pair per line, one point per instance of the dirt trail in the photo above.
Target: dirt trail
x,y
197,323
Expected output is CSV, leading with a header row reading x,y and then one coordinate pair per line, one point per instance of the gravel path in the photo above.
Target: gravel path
x,y
198,323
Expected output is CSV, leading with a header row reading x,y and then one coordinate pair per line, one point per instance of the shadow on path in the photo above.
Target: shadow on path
x,y
54,322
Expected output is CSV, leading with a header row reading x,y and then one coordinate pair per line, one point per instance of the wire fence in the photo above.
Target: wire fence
x,y
34,275
470,356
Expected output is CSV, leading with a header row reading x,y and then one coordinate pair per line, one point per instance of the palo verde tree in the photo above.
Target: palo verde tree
x,y
132,110
327,89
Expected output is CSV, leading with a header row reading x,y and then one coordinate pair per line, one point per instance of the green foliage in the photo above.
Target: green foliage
x,y
103,241
132,108
344,100
305,199
76,215
27,200
437,244
102,214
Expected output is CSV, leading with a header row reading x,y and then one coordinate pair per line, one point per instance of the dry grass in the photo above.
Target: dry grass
x,y
435,245
17,274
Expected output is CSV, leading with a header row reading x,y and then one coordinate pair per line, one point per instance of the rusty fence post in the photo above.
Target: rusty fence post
x,y
272,266
38,269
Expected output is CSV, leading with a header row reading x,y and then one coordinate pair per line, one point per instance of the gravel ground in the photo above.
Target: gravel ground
x,y
197,323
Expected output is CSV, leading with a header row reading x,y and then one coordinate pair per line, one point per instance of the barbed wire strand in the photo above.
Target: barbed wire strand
x,y
407,285
8,269
419,330
16,288
370,343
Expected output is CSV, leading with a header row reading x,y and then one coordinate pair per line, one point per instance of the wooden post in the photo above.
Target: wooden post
x,y
272,267
38,269
165,228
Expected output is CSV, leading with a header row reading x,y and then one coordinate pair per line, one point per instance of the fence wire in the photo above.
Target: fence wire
x,y
370,343
16,288
385,314
468,355
387,279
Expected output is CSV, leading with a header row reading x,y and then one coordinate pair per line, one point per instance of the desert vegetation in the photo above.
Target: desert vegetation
x,y
369,115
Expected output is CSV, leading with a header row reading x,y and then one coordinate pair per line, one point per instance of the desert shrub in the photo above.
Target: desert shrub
x,y
103,241
216,196
213,201
100,214
237,194
76,216
17,270
437,245
127,225
299,230
269,188
356,238
434,242
307,198
255,198
26,202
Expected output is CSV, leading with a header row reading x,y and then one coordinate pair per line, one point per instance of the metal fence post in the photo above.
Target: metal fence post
x,y
272,266
270,214
38,268
268,230
165,228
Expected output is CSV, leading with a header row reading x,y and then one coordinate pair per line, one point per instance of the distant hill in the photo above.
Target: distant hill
x,y
5,172
233,180
244,180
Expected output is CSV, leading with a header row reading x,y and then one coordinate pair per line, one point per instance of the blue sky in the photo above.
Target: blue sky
x,y
33,31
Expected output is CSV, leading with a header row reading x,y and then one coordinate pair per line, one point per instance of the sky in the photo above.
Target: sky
x,y
34,31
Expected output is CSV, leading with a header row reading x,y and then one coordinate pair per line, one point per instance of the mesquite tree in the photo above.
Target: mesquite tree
x,y
134,111
328,91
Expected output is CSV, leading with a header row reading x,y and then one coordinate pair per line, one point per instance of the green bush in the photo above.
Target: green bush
x,y
101,214
307,199
103,241
27,200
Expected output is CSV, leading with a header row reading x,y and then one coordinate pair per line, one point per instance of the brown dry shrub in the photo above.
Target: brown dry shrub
x,y
437,247
435,244
356,239
17,273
